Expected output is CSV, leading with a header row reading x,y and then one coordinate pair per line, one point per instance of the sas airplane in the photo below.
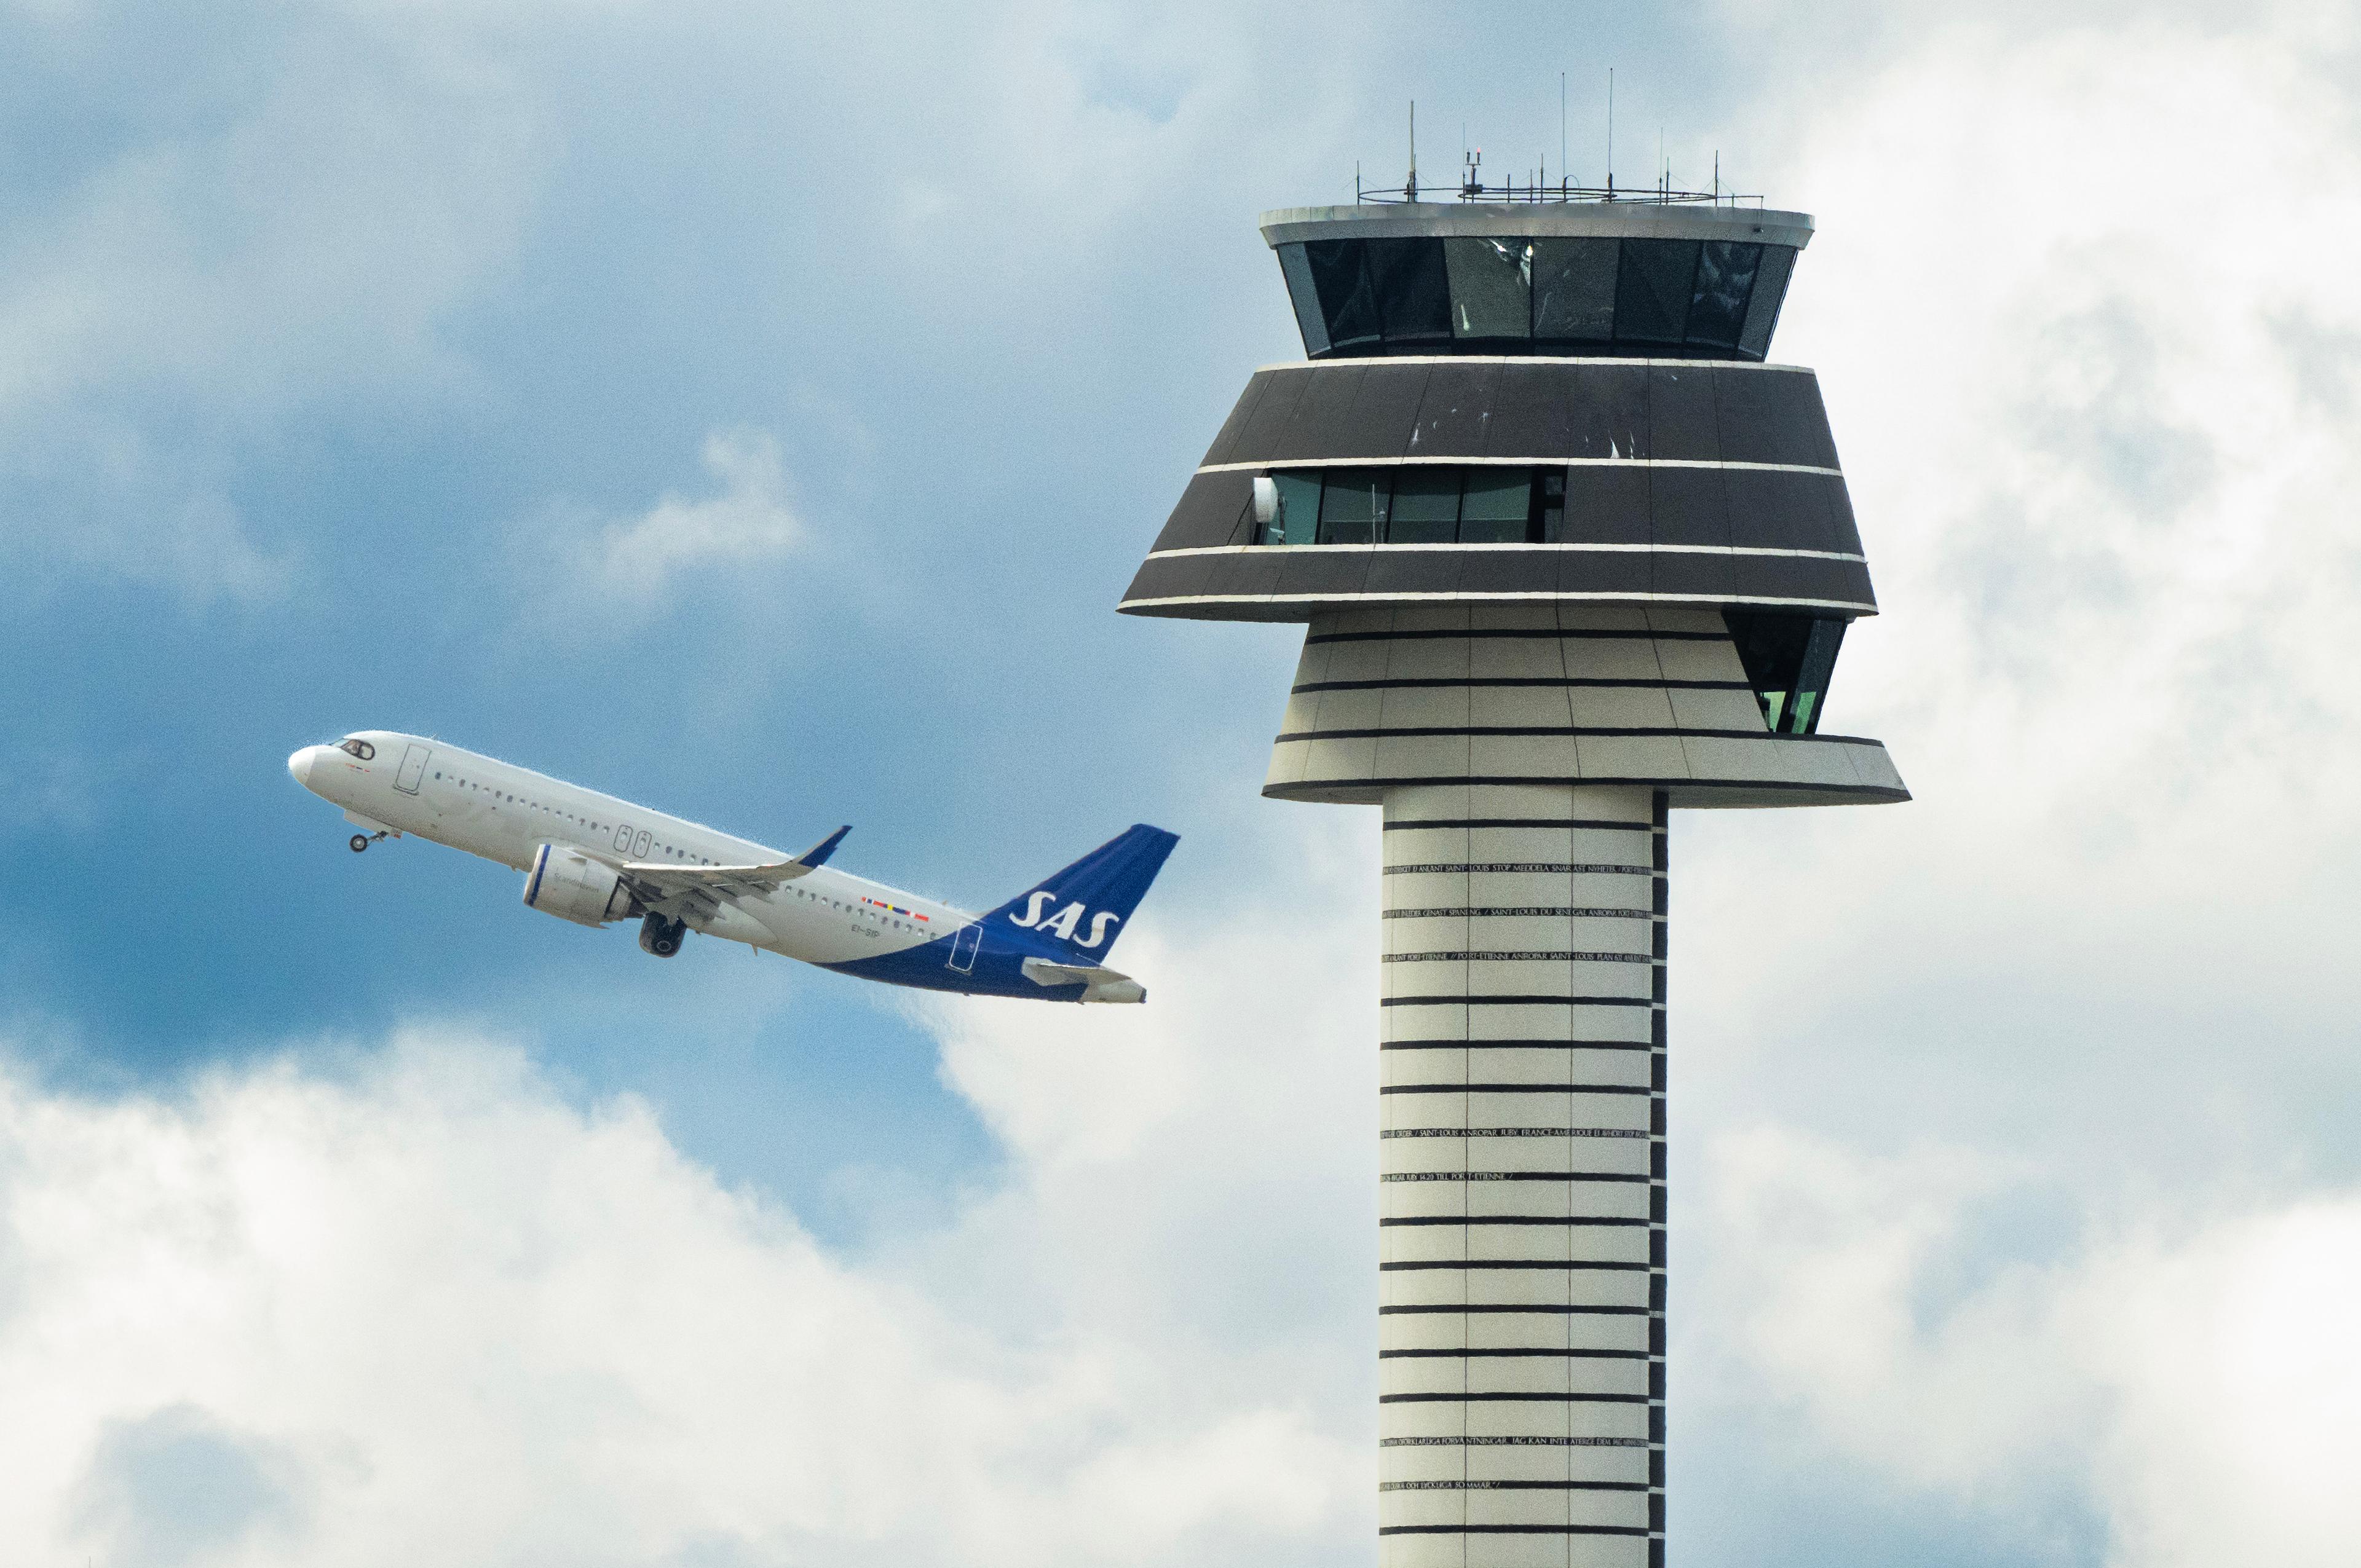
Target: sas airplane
x,y
593,859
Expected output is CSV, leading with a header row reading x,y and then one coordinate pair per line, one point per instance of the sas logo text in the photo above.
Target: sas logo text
x,y
1062,923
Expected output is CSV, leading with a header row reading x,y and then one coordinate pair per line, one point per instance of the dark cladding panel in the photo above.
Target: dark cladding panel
x,y
1259,441
1607,505
1844,532
1684,574
1249,572
1772,416
1803,577
1763,307
1509,571
1217,509
1324,569
1772,508
1681,418
1606,410
1305,296
1652,288
1531,417
1452,417
1593,574
1322,425
1172,580
1385,411
1413,572
1239,413
1687,507
1413,293
1574,290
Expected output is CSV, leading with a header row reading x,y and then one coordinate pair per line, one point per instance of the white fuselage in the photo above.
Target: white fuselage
x,y
504,813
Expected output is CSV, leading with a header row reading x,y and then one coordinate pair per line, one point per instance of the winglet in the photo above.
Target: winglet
x,y
817,856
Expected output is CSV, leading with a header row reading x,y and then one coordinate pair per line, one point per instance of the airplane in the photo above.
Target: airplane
x,y
595,859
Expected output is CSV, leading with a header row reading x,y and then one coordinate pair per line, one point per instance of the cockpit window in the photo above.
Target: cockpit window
x,y
356,747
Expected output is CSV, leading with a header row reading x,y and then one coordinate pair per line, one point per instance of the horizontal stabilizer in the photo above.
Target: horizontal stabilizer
x,y
1106,984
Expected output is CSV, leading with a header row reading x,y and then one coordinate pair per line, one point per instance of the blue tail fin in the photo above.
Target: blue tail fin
x,y
1077,913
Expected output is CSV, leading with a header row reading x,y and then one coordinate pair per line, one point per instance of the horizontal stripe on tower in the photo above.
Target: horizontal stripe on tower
x,y
1486,956
1513,1529
1516,1399
1464,1354
1514,1486
1515,1002
1517,1046
1515,1265
1493,633
1488,460
1468,1220
1511,1132
1690,785
1513,1175
1587,681
1513,1443
1603,731
1592,868
1487,1310
1406,824
1519,1089
1532,912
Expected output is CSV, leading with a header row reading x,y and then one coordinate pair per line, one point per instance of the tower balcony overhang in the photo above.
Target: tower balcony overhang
x,y
1349,484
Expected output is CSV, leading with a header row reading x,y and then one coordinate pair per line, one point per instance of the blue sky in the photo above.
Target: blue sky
x,y
757,412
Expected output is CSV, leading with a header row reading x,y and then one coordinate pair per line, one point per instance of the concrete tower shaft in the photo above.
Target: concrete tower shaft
x,y
1570,555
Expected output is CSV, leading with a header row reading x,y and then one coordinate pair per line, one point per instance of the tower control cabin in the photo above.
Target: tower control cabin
x,y
1572,553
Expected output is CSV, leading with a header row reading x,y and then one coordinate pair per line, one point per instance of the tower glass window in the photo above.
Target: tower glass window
x,y
1413,289
1672,298
1347,304
1574,290
1491,287
1496,505
1305,296
1788,661
1653,287
1352,505
1426,506
1725,276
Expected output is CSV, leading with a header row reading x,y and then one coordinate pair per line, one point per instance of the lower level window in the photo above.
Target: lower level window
x,y
1423,503
1788,661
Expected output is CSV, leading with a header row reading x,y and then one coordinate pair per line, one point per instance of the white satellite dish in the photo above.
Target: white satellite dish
x,y
1265,499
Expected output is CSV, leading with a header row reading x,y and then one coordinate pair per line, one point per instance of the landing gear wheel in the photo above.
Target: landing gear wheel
x,y
359,841
660,937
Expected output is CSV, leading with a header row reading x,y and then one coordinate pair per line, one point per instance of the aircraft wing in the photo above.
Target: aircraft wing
x,y
668,887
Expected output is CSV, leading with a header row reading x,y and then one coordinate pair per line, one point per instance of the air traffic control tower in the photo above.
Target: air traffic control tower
x,y
1572,554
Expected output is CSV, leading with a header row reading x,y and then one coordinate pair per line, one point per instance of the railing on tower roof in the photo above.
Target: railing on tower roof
x,y
1539,191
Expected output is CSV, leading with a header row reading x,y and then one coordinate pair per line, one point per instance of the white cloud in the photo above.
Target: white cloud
x,y
421,1309
639,561
2194,1379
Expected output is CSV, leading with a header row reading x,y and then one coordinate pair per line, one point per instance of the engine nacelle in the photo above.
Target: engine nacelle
x,y
572,886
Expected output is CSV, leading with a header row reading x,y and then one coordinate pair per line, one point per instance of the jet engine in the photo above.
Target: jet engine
x,y
572,886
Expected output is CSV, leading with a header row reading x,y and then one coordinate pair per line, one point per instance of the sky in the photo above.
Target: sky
x,y
757,412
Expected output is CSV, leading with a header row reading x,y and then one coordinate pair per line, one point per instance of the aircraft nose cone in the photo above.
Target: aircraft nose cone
x,y
299,764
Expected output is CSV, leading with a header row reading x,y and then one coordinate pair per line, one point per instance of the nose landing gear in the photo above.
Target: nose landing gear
x,y
360,841
660,937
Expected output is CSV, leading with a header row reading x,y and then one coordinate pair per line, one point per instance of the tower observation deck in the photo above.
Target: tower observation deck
x,y
1572,553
